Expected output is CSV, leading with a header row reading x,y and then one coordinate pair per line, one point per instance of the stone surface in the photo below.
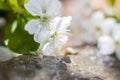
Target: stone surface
x,y
86,65
92,66
5,53
34,68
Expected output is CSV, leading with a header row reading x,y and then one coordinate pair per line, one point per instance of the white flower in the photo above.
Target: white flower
x,y
94,27
108,32
57,37
101,24
107,25
110,11
97,18
116,32
50,30
45,9
106,45
110,44
116,37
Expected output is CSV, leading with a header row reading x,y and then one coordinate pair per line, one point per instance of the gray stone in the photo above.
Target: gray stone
x,y
86,65
89,65
5,54
29,67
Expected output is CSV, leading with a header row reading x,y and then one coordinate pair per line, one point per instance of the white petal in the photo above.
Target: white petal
x,y
106,45
41,36
107,25
32,26
65,22
54,8
60,23
54,23
110,11
97,18
34,7
48,49
60,41
116,32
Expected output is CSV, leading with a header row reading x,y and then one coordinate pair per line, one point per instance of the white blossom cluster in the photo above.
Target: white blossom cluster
x,y
107,31
97,26
49,29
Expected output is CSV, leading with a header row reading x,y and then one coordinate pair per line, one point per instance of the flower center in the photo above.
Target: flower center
x,y
45,19
54,34
98,28
117,43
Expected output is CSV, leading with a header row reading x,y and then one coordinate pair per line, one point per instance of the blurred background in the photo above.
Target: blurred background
x,y
86,17
92,19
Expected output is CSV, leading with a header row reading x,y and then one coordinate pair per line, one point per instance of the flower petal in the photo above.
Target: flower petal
x,y
60,40
116,32
34,7
32,26
65,22
48,49
54,8
97,18
107,25
106,45
41,36
60,23
54,24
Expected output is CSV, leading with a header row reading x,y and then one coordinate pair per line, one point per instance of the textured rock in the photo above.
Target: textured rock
x,y
34,68
86,65
89,65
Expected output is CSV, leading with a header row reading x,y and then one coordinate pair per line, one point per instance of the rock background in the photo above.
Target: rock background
x,y
85,65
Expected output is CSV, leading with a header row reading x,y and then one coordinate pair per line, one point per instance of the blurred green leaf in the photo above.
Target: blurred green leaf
x,y
18,40
112,2
14,4
22,2
15,36
4,6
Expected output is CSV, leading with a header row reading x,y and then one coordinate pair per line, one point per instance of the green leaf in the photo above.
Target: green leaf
x,y
112,2
14,5
22,2
18,40
3,6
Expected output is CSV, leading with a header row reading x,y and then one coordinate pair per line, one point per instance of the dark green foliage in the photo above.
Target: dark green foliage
x,y
15,36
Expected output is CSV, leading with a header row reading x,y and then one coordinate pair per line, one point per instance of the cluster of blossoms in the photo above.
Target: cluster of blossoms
x,y
49,29
107,33
99,27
